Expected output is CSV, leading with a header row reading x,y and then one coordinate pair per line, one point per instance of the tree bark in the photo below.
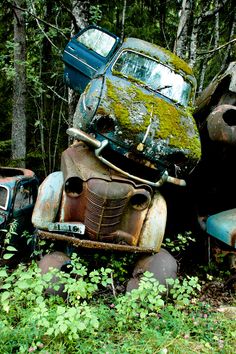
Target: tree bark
x,y
19,89
80,11
123,21
181,47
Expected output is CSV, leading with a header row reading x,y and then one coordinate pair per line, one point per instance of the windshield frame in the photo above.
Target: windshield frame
x,y
183,103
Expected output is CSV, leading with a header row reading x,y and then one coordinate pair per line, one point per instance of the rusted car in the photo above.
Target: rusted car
x,y
133,133
215,178
18,192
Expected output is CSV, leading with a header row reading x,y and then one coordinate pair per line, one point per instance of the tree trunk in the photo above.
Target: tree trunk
x,y
123,21
80,11
19,89
182,33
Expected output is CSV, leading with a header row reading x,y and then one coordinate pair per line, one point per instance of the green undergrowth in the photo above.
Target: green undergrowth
x,y
92,317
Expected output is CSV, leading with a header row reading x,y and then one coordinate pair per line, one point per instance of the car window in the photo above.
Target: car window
x,y
3,197
24,196
155,75
100,42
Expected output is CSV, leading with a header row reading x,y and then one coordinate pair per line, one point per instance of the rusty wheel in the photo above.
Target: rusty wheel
x,y
162,264
57,260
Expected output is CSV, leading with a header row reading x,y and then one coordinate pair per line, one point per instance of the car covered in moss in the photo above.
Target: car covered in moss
x,y
137,96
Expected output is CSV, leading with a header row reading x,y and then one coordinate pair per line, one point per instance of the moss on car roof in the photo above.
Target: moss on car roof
x,y
161,54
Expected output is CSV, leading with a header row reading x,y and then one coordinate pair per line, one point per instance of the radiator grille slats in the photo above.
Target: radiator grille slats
x,y
104,208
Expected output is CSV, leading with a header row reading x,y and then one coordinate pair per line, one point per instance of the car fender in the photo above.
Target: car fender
x,y
154,227
48,200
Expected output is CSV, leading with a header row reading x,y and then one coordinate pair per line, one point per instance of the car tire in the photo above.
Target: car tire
x,y
57,260
162,264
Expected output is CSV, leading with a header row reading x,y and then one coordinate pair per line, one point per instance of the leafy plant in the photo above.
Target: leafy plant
x,y
182,292
26,288
144,320
180,243
7,250
142,302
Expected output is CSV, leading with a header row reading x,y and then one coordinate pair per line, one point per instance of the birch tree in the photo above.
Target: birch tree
x,y
80,13
181,42
19,88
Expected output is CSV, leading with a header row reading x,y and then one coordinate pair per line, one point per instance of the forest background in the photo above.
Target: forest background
x,y
37,107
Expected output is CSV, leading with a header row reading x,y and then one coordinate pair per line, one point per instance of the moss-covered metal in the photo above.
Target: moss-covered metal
x,y
140,121
134,110
161,54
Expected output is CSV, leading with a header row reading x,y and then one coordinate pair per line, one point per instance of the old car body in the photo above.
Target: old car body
x,y
140,101
215,185
133,132
18,192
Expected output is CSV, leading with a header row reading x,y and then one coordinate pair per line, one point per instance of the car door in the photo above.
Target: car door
x,y
85,54
25,196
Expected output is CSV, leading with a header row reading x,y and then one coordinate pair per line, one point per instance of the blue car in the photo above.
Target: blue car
x,y
136,95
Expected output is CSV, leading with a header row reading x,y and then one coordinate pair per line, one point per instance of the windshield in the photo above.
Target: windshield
x,y
3,197
154,75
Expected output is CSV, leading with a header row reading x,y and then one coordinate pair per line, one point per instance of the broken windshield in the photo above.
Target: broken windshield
x,y
154,75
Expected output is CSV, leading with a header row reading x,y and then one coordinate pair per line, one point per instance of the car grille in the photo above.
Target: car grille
x,y
103,212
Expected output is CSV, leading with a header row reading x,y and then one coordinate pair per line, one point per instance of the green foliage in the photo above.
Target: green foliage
x,y
140,303
5,145
95,13
7,251
182,292
25,288
179,243
145,320
151,297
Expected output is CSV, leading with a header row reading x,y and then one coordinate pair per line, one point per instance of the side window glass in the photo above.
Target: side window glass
x,y
24,197
3,197
98,41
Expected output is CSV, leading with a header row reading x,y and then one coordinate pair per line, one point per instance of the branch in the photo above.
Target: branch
x,y
40,20
218,48
57,94
210,13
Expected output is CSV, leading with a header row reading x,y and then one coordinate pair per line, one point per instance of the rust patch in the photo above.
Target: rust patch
x,y
233,239
92,244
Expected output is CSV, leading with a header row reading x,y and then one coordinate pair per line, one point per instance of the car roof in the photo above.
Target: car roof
x,y
161,54
9,176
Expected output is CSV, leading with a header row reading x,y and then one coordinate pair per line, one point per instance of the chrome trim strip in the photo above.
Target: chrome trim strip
x,y
82,61
99,146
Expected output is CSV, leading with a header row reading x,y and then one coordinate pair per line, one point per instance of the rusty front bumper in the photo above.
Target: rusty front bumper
x,y
76,242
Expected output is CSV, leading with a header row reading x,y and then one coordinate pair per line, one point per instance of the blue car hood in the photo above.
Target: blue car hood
x,y
145,123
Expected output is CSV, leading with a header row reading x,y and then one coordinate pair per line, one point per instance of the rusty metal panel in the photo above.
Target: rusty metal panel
x,y
48,201
223,226
10,174
221,124
111,207
79,161
154,227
